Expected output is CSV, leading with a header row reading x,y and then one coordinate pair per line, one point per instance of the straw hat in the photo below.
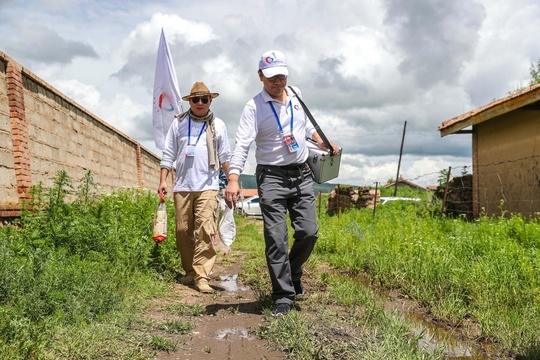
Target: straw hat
x,y
199,89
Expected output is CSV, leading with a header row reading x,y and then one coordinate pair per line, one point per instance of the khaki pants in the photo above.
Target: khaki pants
x,y
195,215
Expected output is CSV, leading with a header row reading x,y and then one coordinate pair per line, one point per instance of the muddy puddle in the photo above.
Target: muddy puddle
x,y
227,334
436,340
433,338
230,283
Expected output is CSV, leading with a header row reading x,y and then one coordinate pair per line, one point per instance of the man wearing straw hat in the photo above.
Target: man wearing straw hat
x,y
198,142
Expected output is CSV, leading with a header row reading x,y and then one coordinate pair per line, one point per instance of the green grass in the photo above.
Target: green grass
x,y
78,269
487,270
320,330
74,273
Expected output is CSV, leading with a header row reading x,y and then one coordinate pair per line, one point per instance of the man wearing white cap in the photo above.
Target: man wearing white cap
x,y
275,120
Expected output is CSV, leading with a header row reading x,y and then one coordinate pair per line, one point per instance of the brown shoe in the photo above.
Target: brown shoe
x,y
203,287
188,279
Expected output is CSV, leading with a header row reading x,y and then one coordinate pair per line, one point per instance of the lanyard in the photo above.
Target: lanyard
x,y
189,133
277,117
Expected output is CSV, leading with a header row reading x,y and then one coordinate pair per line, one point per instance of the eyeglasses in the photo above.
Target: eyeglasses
x,y
277,78
196,99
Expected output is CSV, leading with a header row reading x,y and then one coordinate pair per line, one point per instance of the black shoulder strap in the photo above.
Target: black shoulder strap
x,y
317,127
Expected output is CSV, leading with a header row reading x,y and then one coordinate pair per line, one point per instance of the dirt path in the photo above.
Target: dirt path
x,y
232,315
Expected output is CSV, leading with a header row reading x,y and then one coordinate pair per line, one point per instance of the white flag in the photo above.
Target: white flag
x,y
167,98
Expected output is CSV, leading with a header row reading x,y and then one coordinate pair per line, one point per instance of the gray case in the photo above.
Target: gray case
x,y
323,166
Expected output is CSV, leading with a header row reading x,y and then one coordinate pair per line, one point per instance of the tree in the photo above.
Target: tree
x,y
535,73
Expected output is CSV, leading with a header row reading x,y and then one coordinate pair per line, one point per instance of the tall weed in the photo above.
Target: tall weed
x,y
487,270
75,262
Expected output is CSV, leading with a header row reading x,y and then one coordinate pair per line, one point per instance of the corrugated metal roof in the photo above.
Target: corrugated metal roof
x,y
402,180
496,108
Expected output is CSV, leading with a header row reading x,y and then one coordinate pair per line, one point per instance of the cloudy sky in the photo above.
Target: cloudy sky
x,y
364,67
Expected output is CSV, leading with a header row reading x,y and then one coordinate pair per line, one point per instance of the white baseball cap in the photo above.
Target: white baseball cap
x,y
273,63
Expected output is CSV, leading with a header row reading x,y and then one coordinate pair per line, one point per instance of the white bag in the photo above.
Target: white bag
x,y
227,227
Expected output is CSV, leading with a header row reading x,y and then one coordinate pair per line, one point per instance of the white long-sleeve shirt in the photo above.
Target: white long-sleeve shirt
x,y
259,123
193,173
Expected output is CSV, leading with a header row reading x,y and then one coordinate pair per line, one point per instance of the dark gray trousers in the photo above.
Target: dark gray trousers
x,y
282,190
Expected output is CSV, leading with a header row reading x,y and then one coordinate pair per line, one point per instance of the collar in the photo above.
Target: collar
x,y
267,98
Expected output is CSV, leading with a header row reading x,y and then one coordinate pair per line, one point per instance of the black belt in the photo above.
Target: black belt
x,y
287,167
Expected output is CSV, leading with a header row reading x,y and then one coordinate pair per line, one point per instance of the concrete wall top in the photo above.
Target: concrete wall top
x,y
42,131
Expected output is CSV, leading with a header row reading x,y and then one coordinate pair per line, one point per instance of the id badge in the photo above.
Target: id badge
x,y
190,152
291,143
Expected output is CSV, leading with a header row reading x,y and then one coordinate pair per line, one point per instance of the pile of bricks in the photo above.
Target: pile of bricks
x,y
346,197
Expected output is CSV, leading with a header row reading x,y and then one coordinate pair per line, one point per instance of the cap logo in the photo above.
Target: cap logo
x,y
272,61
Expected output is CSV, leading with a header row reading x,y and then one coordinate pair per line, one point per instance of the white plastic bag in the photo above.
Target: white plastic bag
x,y
227,227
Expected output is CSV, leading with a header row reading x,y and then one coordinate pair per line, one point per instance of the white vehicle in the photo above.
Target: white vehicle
x,y
249,207
386,199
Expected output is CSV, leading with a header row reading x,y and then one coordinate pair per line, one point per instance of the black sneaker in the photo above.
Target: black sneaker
x,y
298,288
281,309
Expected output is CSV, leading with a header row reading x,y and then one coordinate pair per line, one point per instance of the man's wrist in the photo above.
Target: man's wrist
x,y
233,178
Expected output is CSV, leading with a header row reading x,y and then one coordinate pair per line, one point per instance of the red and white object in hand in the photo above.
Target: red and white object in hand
x,y
160,221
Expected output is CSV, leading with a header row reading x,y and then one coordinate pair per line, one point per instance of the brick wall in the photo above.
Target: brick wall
x,y
42,132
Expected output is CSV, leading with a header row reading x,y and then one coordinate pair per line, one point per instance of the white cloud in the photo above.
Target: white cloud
x,y
145,36
121,110
364,68
220,72
86,95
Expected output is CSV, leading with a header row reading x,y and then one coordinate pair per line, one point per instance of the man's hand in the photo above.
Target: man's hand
x,y
162,188
232,191
334,150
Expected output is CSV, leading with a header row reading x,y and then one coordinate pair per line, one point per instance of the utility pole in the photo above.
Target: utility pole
x,y
399,162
